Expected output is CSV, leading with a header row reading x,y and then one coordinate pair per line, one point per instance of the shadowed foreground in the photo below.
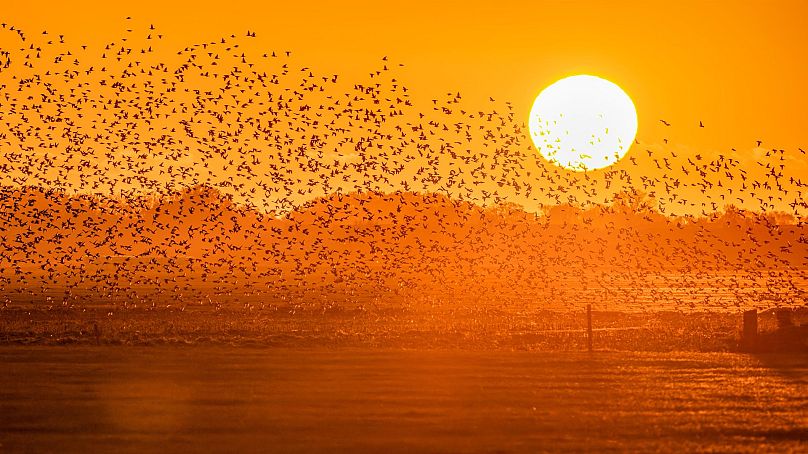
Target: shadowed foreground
x,y
225,399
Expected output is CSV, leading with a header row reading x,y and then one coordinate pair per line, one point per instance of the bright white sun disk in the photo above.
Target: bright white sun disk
x,y
583,123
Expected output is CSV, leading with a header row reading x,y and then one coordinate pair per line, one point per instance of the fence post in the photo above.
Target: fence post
x,y
589,327
97,333
750,329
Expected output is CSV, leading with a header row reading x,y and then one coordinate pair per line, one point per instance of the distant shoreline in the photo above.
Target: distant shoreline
x,y
418,329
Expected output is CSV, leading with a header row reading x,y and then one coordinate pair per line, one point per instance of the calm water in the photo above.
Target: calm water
x,y
200,399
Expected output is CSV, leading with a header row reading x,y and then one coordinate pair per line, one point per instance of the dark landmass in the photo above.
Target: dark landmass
x,y
374,251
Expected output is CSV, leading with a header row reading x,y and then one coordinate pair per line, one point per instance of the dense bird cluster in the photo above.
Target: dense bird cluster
x,y
219,175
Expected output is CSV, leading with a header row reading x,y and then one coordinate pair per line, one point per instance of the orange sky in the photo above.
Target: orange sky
x,y
276,132
736,66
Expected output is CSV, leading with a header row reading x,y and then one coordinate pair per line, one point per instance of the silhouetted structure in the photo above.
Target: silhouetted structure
x,y
784,320
589,327
750,330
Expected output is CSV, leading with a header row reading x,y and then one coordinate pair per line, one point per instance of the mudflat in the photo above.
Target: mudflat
x,y
243,399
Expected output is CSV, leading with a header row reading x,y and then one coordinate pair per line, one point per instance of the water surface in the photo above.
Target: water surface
x,y
221,399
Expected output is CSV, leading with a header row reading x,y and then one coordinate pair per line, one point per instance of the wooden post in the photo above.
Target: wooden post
x,y
589,327
97,333
750,329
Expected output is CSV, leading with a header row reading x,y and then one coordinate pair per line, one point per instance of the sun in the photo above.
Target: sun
x,y
583,123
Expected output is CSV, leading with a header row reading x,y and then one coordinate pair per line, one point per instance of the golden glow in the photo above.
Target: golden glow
x,y
583,123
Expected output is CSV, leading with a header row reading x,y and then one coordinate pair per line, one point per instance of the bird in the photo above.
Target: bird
x,y
216,177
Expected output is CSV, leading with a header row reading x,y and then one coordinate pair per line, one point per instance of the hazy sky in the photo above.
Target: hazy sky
x,y
737,66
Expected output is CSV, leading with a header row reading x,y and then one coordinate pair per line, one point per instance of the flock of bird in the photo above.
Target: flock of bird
x,y
215,175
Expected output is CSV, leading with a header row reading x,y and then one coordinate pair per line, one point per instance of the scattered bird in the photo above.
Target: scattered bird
x,y
224,178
